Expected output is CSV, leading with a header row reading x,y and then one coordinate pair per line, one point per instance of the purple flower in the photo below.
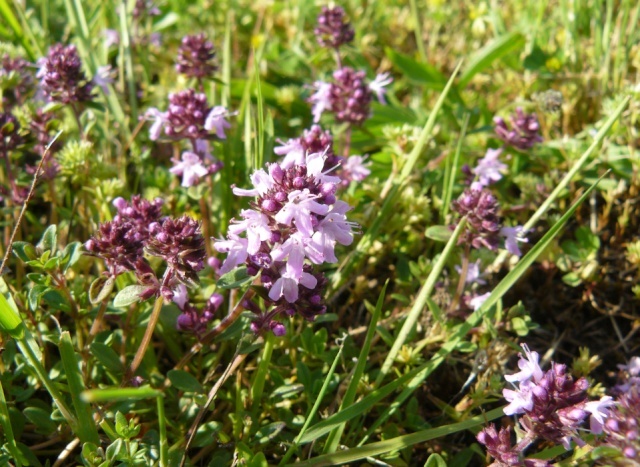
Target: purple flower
x,y
321,99
477,301
483,225
159,120
196,57
299,208
377,86
257,227
181,296
190,168
19,88
529,367
350,96
111,37
633,367
139,212
62,78
236,249
622,425
287,285
489,168
599,411
354,169
103,78
332,30
524,133
512,237
186,115
216,121
473,273
119,244
180,243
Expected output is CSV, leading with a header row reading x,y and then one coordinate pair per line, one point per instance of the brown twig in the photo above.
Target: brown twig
x,y
36,176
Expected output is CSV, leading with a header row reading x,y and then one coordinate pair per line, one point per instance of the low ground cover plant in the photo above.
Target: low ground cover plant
x,y
274,233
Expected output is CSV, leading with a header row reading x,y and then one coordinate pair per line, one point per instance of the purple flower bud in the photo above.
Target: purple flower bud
x,y
278,329
62,78
332,30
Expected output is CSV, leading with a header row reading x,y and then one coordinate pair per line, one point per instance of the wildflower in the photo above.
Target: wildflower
x,y
483,226
529,367
119,244
103,78
512,237
621,428
478,301
216,122
354,169
145,8
599,410
180,243
159,119
524,133
190,168
332,30
489,168
321,99
633,367
61,76
195,321
473,273
377,86
195,57
139,212
350,96
294,223
314,140
111,37
186,115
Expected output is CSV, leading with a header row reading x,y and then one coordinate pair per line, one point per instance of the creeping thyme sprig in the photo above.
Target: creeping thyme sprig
x,y
293,226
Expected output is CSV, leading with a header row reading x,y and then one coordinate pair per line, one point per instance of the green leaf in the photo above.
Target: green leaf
x,y
100,289
120,394
71,254
269,432
41,419
129,295
235,279
56,300
435,460
87,431
439,233
107,357
49,240
25,251
184,381
494,50
421,73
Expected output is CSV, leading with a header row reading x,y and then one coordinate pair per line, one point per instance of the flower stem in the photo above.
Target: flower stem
x,y
153,320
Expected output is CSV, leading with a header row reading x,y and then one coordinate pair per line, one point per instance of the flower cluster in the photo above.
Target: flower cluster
x,y
551,405
488,170
295,223
524,132
190,117
195,57
315,140
348,97
332,30
484,229
61,76
119,244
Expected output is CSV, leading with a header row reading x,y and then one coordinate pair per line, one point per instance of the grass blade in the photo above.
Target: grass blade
x,y
315,407
87,431
120,394
5,422
420,302
350,394
401,442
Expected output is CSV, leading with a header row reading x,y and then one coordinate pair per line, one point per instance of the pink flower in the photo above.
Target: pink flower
x,y
293,152
159,119
477,302
190,168
599,411
377,86
287,286
295,249
321,99
512,237
299,208
529,367
354,169
236,249
216,121
257,227
262,183
489,168
521,400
